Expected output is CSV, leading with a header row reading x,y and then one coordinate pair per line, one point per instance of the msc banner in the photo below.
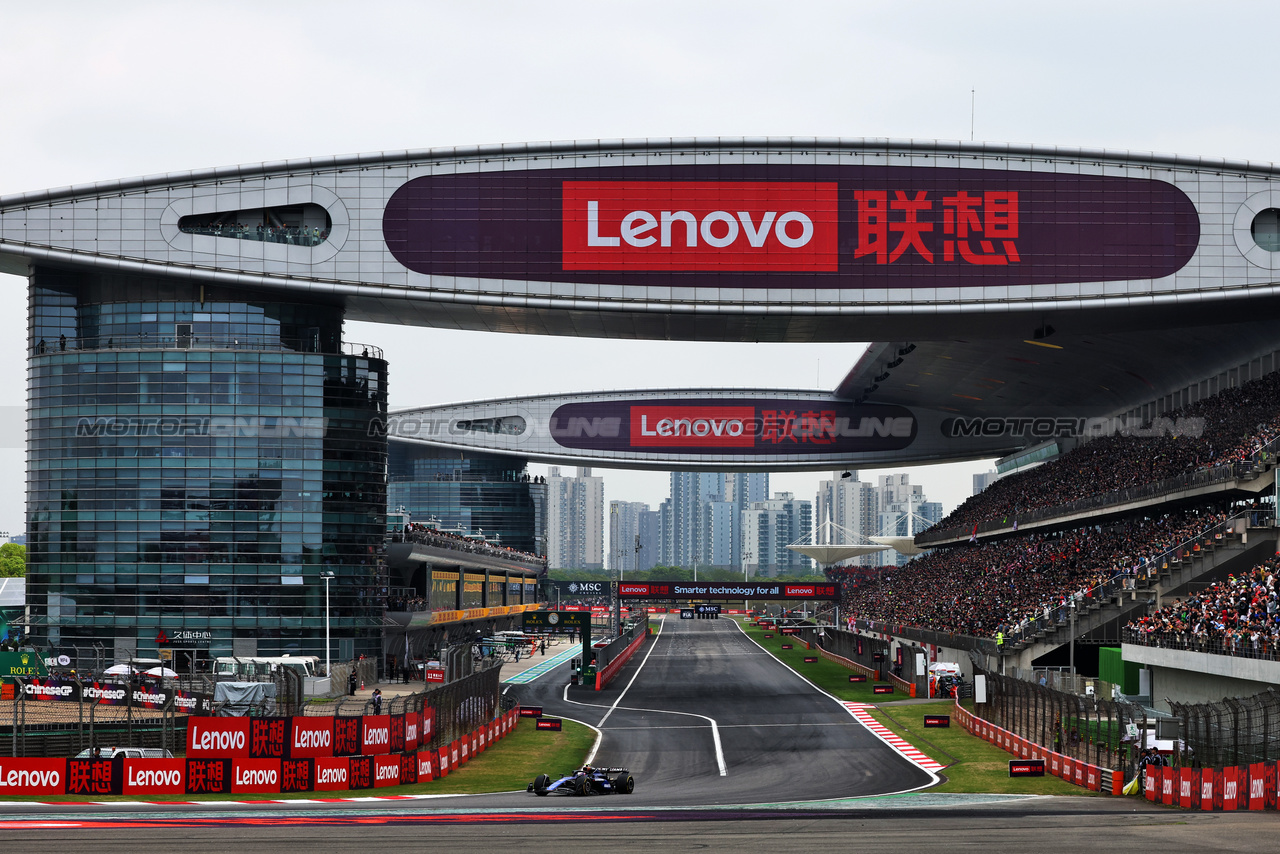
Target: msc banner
x,y
727,590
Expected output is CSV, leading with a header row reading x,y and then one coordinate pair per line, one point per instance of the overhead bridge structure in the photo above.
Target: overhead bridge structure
x,y
201,432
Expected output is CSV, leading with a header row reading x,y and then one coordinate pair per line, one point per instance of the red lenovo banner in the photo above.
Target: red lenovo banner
x,y
700,225
217,737
1257,785
427,728
1207,796
427,763
1188,788
255,775
1230,788
375,734
693,426
33,776
1166,783
386,770
311,737
154,777
412,720
331,774
443,766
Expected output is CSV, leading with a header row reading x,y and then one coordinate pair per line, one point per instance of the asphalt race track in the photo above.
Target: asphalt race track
x,y
729,748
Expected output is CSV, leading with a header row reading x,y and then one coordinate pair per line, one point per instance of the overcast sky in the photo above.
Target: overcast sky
x,y
95,91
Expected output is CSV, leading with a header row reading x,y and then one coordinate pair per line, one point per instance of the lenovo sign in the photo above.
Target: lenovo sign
x,y
693,426
700,225
217,737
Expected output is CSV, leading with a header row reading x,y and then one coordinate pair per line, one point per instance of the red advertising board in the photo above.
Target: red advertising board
x,y
433,675
1257,785
33,776
1166,783
1207,794
1188,788
255,775
427,727
412,721
208,776
311,737
386,770
1230,788
154,777
331,774
428,760
360,772
442,769
92,777
295,775
375,734
217,737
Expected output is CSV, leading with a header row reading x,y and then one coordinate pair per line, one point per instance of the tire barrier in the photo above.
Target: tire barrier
x,y
268,756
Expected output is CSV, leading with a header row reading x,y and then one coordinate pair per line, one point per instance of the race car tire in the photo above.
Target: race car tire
x,y
540,784
584,786
624,784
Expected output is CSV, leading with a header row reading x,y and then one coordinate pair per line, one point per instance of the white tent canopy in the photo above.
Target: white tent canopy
x,y
828,552
901,545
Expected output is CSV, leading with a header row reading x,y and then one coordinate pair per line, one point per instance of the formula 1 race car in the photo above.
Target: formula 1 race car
x,y
586,781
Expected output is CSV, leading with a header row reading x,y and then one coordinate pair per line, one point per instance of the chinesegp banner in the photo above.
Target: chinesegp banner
x,y
255,775
193,703
93,777
312,737
149,697
33,776
154,777
217,737
375,734
106,693
37,688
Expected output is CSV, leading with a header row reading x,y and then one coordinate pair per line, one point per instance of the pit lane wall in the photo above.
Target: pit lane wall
x,y
610,659
1249,787
269,756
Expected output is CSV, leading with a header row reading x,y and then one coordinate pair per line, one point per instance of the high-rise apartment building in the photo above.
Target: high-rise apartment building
x,y
575,520
768,527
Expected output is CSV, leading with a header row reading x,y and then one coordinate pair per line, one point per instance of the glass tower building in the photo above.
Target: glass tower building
x,y
197,456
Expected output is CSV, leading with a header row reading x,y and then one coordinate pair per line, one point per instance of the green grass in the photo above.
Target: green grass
x,y
509,765
973,765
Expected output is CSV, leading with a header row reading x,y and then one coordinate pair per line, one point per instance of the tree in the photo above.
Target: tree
x,y
13,561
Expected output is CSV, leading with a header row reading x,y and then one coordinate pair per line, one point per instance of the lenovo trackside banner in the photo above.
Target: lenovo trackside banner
x,y
753,427
784,226
726,590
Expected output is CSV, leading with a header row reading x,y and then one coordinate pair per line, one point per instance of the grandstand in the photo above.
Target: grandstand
x,y
1160,542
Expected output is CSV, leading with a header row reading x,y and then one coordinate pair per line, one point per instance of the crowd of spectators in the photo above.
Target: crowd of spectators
x,y
1239,616
407,603
1001,587
416,533
1232,426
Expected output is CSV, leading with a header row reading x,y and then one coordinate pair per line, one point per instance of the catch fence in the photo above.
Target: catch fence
x,y
1234,731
